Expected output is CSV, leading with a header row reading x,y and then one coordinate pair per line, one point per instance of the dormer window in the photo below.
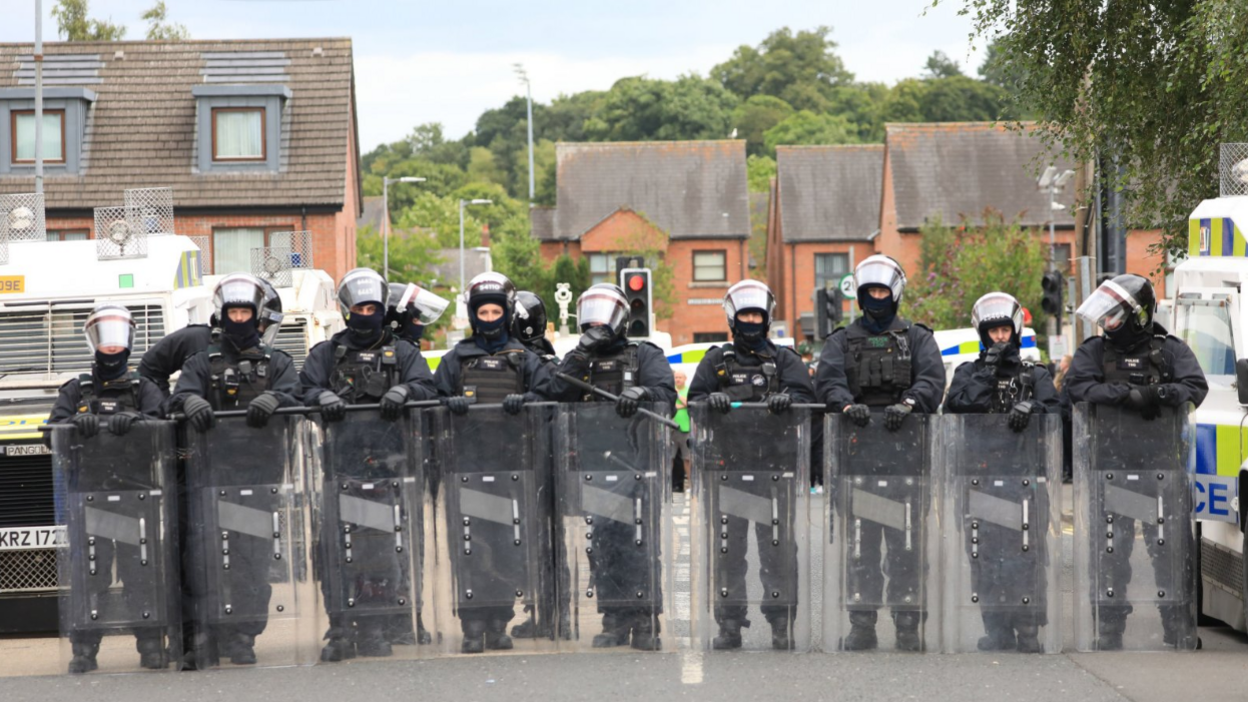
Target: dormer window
x,y
23,131
238,134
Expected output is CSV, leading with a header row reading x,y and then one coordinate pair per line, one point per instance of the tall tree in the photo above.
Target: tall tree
x,y
940,66
73,24
755,116
809,128
159,29
646,109
802,69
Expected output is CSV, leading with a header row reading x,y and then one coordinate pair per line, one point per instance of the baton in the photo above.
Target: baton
x,y
615,398
812,406
227,414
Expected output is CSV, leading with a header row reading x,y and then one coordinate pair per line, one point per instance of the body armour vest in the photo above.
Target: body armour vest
x,y
1144,365
109,396
615,373
877,366
1013,389
745,383
490,379
236,382
364,376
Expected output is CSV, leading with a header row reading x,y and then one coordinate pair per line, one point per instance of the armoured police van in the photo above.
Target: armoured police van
x,y
1208,312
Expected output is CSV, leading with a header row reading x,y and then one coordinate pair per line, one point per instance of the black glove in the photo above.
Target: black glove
x,y
894,415
595,338
88,424
260,409
119,424
779,403
719,401
392,403
860,414
199,413
333,409
458,404
1020,415
626,406
513,403
992,357
1147,400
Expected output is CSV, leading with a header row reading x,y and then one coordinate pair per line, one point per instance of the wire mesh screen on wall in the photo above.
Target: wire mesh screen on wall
x,y
117,234
151,209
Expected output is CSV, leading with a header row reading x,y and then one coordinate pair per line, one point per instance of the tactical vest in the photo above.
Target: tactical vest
x,y
877,366
110,397
234,383
615,373
1146,365
1013,389
745,383
490,379
364,376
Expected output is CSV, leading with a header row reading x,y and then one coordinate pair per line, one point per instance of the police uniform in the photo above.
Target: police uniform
x,y
168,355
361,375
469,370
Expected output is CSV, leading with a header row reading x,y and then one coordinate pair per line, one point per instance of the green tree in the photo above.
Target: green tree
x,y
160,30
755,116
809,128
1149,85
439,217
412,253
801,69
861,104
940,66
759,171
961,99
73,24
482,167
960,264
644,109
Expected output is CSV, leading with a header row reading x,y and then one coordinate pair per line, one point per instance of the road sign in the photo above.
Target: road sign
x,y
847,287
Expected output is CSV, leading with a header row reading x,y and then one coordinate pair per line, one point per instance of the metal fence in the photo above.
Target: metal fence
x,y
1233,170
117,234
151,210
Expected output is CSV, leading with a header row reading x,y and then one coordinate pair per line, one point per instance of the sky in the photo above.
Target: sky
x,y
418,61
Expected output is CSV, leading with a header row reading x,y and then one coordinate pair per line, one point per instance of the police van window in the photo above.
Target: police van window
x,y
1207,330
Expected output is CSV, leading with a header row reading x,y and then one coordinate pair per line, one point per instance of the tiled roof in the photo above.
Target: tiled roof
x,y
371,215
829,193
952,169
141,131
690,189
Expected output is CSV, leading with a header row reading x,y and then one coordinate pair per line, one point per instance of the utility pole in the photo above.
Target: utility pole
x,y
528,91
38,56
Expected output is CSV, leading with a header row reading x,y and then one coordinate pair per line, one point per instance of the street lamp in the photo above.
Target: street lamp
x,y
463,203
528,90
1054,182
385,220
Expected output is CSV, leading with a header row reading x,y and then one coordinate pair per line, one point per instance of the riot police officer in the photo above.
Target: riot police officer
x,y
113,396
412,308
634,372
1000,382
239,371
363,364
1135,365
529,326
490,367
881,361
751,369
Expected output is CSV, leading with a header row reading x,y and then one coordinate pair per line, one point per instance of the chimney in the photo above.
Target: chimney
x,y
485,235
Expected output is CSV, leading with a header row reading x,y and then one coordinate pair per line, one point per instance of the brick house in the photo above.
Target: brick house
x,y
824,218
256,138
688,201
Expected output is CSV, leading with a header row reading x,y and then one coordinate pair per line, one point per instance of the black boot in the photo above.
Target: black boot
x,y
781,639
152,653
999,633
496,638
1029,639
399,630
239,647
615,632
861,635
1177,628
908,638
474,636
371,639
84,658
1112,621
422,634
729,635
341,644
646,634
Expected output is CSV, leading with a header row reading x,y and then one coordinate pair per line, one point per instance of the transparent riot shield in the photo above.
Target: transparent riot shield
x,y
253,597
119,603
612,482
496,591
369,519
1135,558
1001,555
750,536
880,536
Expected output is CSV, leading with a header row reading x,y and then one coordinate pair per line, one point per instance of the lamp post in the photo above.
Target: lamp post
x,y
528,91
38,56
462,204
385,220
1054,182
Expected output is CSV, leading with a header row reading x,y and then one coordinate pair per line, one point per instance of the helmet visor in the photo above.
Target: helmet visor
x,y
601,308
238,291
999,308
360,287
428,307
881,271
1108,306
109,328
745,296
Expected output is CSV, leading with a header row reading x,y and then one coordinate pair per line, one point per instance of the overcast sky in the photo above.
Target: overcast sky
x,y
419,61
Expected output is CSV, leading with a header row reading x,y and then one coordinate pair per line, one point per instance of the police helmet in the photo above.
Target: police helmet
x,y
997,309
360,286
1123,307
491,288
604,304
880,270
414,303
240,290
109,324
529,324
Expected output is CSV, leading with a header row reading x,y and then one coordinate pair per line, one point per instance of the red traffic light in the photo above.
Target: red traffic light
x,y
636,282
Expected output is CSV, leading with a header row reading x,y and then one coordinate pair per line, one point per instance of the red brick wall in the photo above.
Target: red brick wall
x,y
1142,261
342,243
797,263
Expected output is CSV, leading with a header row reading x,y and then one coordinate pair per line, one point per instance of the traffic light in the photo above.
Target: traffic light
x,y
1052,285
827,312
639,293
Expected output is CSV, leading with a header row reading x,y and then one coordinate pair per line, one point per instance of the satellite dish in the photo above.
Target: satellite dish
x,y
21,218
119,232
1240,171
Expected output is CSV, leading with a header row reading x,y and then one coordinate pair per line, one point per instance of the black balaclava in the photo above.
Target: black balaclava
x,y
366,328
751,336
243,335
1013,354
1129,334
490,336
877,315
111,366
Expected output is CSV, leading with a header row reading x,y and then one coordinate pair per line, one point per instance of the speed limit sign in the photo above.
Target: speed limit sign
x,y
847,287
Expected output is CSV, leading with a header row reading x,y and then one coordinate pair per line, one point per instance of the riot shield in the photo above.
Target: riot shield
x,y
369,523
1001,556
613,510
496,497
880,536
119,603
1135,559
253,599
750,537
